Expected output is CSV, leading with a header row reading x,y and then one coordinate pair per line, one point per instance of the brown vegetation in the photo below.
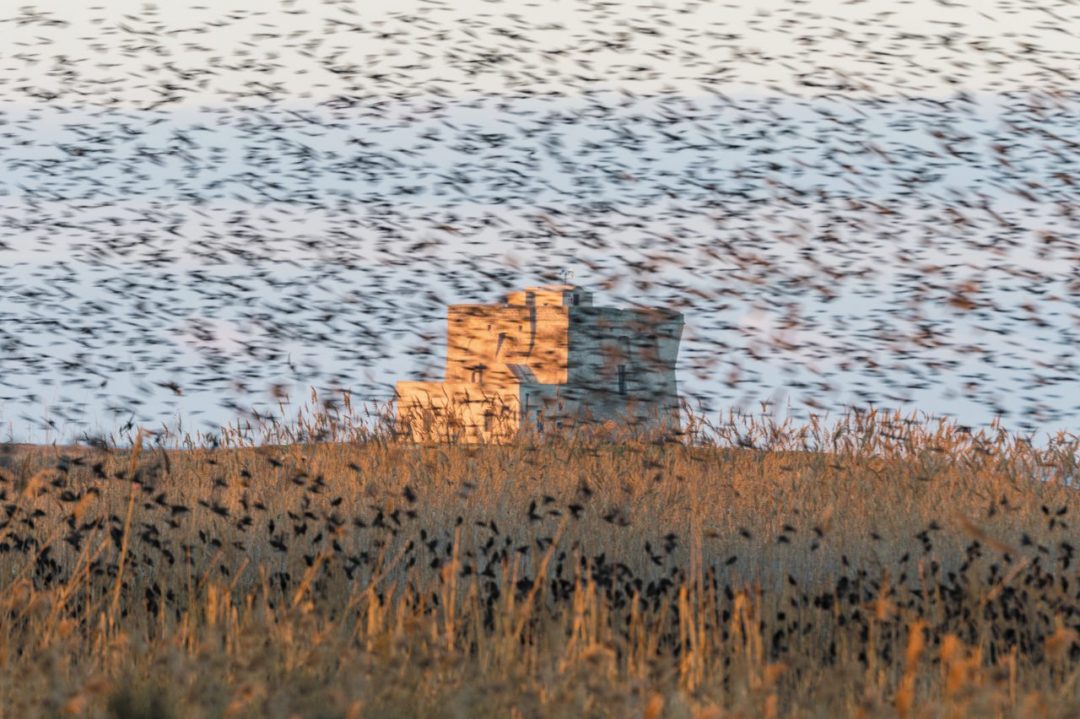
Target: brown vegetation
x,y
874,567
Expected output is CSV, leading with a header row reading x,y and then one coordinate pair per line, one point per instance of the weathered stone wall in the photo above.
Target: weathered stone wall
x,y
623,357
491,337
548,359
456,412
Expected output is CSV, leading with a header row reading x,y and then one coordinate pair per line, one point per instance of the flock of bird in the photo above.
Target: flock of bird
x,y
266,522
847,212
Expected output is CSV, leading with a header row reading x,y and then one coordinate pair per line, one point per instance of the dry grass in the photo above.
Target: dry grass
x,y
874,567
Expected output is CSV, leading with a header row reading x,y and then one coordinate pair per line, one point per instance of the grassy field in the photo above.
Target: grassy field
x,y
874,567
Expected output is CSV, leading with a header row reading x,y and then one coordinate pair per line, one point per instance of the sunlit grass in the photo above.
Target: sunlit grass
x,y
876,566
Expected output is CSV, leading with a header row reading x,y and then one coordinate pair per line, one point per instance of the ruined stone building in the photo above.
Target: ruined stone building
x,y
544,359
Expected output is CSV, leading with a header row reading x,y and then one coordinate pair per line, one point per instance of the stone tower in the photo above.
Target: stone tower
x,y
544,359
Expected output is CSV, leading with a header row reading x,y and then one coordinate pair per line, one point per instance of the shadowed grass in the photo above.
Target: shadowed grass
x,y
879,566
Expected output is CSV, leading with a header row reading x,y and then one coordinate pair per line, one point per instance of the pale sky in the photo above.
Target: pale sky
x,y
926,47
133,133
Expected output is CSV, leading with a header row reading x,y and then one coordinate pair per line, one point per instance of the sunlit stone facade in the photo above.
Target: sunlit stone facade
x,y
543,360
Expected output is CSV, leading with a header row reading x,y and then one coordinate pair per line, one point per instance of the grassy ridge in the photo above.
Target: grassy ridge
x,y
876,567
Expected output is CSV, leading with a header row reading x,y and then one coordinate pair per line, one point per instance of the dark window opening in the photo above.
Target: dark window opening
x,y
489,421
622,379
477,376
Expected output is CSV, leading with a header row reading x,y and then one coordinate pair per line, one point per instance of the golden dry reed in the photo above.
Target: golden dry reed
x,y
875,566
